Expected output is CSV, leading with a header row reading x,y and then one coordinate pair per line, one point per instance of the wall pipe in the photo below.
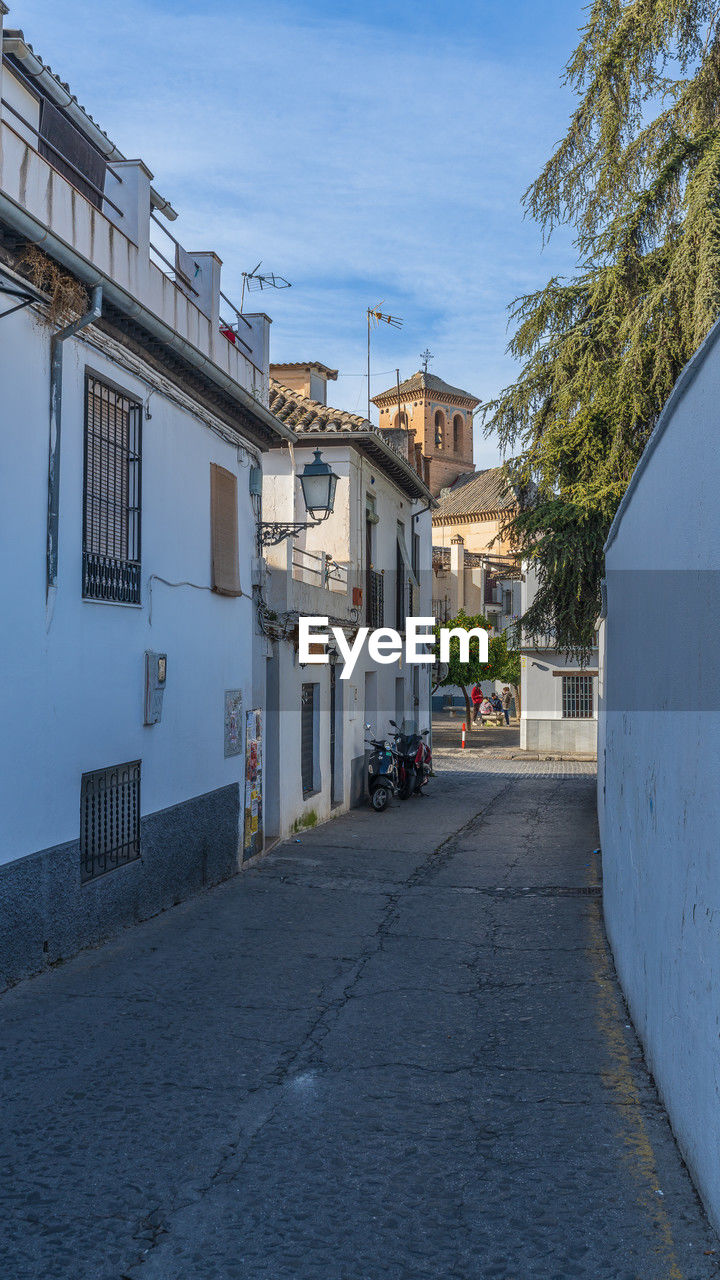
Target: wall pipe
x,y
56,371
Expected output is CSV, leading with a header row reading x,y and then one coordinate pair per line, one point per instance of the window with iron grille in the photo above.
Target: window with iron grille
x,y
375,598
109,819
577,697
111,509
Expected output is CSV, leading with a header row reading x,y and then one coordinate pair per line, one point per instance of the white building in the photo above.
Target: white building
x,y
659,759
129,649
559,695
368,564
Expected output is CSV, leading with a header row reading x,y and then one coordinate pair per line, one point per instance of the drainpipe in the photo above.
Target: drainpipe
x,y
53,515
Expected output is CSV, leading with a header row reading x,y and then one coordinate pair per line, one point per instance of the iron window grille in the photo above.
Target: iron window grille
x,y
376,599
111,506
577,697
109,819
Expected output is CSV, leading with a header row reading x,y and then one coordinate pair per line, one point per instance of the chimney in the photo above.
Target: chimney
x,y
310,378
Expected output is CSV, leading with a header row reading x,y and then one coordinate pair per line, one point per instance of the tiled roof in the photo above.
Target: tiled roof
x,y
426,382
303,414
476,492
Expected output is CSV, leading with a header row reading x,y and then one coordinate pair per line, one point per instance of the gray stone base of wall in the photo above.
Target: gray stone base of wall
x,y
559,735
47,915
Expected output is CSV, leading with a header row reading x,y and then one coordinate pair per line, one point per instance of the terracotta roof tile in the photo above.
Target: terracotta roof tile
x,y
475,492
426,382
302,414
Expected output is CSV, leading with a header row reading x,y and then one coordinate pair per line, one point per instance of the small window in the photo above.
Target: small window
x,y
457,433
577,697
401,420
224,532
111,500
109,819
439,429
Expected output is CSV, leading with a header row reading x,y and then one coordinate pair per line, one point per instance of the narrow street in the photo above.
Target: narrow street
x,y
396,1047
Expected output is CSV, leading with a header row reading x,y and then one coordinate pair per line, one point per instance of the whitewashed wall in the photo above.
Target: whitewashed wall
x,y
72,696
659,794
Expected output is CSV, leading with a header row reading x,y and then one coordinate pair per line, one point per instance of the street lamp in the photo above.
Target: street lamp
x,y
318,483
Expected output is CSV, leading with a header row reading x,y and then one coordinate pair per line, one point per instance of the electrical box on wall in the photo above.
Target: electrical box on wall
x,y
155,677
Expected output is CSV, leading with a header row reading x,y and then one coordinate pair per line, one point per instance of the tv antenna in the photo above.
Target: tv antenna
x,y
426,355
375,317
254,282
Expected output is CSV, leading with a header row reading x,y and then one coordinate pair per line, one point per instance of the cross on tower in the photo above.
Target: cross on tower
x,y
426,355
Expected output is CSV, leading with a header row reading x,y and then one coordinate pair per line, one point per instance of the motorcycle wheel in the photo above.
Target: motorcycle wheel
x,y
379,799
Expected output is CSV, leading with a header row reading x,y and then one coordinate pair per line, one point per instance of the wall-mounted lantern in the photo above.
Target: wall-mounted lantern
x,y
318,483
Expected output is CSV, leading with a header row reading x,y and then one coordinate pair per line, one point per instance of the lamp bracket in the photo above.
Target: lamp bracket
x,y
271,532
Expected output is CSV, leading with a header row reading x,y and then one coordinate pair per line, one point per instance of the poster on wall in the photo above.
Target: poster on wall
x,y
233,722
253,834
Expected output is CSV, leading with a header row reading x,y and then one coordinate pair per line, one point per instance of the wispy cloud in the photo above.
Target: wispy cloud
x,y
363,162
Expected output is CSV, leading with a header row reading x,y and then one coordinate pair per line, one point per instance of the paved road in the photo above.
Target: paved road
x,y
394,1049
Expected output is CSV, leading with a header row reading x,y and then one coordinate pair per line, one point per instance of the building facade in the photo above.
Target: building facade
x,y
559,695
132,414
368,564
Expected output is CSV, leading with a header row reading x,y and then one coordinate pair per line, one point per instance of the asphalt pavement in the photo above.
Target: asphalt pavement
x,y
395,1047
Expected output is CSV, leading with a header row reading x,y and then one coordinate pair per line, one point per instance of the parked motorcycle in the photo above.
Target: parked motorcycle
x,y
382,773
414,763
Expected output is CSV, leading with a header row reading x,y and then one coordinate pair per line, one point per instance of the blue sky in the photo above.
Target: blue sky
x,y
369,152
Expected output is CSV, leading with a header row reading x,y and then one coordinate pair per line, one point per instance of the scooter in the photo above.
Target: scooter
x,y
382,773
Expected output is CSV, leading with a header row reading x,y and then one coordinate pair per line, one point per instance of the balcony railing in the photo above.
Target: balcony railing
x,y
319,569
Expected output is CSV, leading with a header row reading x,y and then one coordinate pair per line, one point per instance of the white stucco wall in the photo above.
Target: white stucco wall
x,y
342,535
543,727
72,695
659,798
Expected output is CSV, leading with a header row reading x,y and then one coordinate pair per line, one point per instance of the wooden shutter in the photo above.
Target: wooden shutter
x,y
224,531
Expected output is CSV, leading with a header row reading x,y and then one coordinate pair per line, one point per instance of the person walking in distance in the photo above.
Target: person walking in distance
x,y
476,695
506,703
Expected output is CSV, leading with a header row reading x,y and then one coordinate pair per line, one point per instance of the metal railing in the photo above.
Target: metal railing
x,y
320,569
172,267
81,182
78,173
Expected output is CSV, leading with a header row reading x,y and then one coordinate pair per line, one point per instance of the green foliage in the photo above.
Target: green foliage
x,y
306,820
503,663
637,176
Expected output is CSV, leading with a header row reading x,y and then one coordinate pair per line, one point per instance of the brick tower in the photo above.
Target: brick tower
x,y
440,418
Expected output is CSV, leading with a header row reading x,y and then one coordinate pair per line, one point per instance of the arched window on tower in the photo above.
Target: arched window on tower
x,y
401,420
457,433
439,429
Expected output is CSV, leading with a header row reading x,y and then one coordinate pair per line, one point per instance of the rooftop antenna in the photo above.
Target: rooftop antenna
x,y
426,355
374,317
253,281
